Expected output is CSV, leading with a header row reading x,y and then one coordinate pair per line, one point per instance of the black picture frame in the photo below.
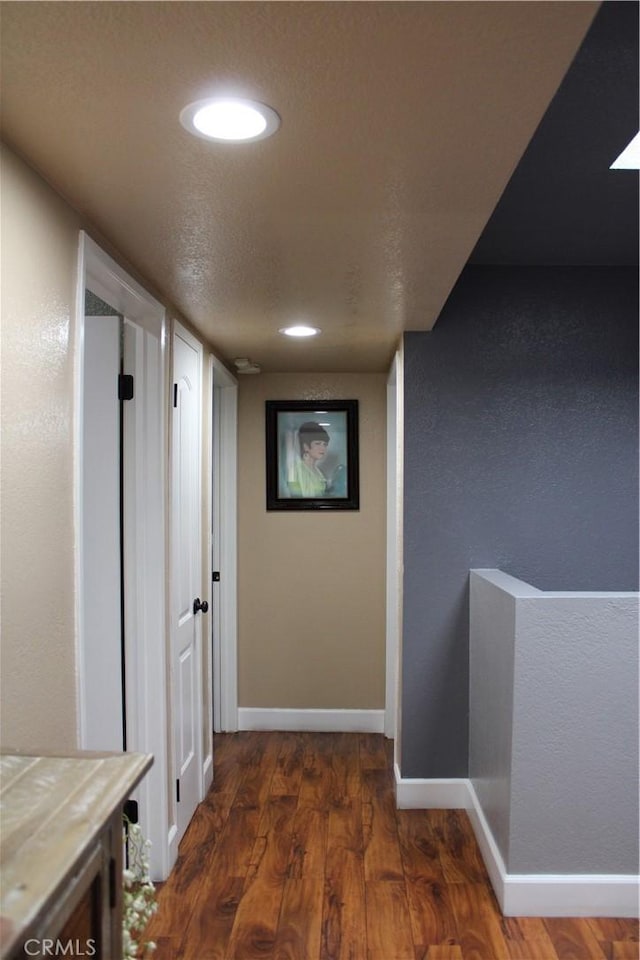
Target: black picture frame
x,y
315,468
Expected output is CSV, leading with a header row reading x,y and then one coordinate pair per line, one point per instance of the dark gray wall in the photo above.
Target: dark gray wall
x,y
576,210
95,307
521,453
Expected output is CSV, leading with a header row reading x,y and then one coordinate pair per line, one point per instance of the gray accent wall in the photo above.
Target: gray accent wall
x,y
521,453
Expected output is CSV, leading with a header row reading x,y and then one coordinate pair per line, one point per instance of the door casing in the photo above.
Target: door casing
x,y
223,547
146,541
394,578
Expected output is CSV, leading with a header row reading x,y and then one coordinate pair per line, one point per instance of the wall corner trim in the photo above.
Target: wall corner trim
x,y
523,895
312,721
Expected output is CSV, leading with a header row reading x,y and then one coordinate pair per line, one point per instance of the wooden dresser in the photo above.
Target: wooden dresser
x,y
61,853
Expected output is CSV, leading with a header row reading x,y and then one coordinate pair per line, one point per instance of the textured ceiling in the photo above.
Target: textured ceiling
x,y
401,125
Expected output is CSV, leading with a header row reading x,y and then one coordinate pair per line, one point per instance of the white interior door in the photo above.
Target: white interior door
x,y
186,553
101,628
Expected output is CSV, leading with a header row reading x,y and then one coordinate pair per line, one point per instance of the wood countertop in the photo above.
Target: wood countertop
x,y
52,809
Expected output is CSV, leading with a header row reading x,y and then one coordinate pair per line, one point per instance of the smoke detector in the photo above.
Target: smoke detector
x,y
244,365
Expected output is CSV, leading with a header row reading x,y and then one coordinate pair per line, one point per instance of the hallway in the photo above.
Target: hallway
x,y
298,853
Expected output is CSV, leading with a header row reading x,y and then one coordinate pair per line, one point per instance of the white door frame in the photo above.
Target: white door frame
x,y
395,483
146,539
223,547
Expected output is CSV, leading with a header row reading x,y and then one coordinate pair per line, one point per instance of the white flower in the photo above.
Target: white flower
x,y
139,900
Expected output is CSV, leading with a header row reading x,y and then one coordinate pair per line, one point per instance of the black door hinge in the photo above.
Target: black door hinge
x,y
125,386
113,889
215,576
177,791
175,394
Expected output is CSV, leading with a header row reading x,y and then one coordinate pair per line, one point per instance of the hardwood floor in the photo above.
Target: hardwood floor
x,y
298,853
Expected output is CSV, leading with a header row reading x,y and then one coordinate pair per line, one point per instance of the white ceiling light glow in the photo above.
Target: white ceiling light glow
x,y
629,159
300,330
230,120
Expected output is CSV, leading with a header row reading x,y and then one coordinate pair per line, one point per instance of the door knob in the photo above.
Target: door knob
x,y
199,604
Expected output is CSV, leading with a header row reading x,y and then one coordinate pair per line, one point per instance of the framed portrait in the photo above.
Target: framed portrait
x,y
312,455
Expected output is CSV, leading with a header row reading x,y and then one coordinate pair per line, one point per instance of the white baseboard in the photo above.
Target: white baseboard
x,y
418,794
577,895
172,853
489,849
524,895
207,775
312,721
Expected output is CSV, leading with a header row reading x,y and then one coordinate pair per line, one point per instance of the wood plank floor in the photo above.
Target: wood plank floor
x,y
298,853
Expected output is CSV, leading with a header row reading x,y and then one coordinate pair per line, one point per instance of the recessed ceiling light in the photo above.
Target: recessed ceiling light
x,y
300,330
629,159
229,120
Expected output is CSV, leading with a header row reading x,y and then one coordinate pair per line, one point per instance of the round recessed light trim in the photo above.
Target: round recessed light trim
x,y
229,120
300,330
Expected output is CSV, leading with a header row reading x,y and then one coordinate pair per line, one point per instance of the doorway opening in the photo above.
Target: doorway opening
x,y
223,680
121,550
